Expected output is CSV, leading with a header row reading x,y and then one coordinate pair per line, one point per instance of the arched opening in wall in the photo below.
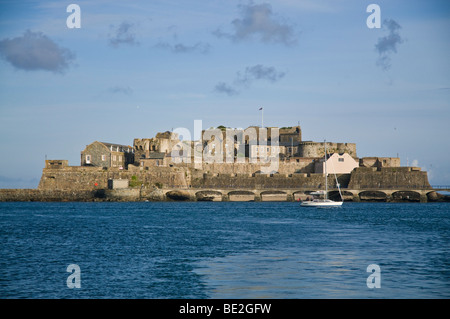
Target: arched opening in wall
x,y
274,196
334,195
299,196
241,193
373,196
208,196
241,196
406,196
178,196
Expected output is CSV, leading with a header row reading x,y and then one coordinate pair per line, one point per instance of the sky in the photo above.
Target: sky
x,y
135,68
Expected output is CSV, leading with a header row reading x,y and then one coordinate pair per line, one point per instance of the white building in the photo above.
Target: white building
x,y
336,164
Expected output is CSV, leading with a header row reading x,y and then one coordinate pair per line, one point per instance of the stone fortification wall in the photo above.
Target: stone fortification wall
x,y
91,178
388,178
94,178
263,181
283,167
74,178
316,149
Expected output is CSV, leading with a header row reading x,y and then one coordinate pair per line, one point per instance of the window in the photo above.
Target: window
x,y
341,159
120,158
114,158
103,158
88,159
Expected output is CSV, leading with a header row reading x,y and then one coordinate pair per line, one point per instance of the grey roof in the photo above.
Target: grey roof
x,y
122,148
156,155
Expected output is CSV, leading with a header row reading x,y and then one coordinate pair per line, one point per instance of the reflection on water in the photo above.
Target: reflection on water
x,y
283,274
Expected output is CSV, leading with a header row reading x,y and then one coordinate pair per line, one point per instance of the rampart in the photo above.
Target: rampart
x,y
316,149
233,182
388,178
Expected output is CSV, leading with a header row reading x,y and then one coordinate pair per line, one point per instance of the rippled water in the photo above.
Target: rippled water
x,y
224,250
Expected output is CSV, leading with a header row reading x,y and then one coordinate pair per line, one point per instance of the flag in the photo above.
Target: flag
x,y
260,108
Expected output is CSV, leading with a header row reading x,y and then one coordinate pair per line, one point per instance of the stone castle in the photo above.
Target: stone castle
x,y
230,164
294,155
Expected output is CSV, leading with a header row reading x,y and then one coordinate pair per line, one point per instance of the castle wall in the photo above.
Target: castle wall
x,y
316,149
388,178
379,162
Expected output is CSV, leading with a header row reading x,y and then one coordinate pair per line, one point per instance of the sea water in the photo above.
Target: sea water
x,y
224,250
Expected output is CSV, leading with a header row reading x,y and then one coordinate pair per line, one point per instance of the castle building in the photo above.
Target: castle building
x,y
239,146
161,143
107,155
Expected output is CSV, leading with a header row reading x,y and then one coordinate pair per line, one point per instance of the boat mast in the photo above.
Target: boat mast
x,y
326,177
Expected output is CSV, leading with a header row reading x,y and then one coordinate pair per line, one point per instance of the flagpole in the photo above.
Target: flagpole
x,y
262,117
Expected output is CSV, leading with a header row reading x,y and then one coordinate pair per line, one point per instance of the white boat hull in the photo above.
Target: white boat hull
x,y
321,203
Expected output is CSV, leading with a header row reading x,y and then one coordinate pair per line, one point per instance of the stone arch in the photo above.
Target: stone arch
x,y
299,196
241,196
275,196
334,195
406,196
208,196
241,193
373,196
178,195
272,192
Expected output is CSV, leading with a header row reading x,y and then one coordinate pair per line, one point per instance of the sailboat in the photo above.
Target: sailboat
x,y
324,202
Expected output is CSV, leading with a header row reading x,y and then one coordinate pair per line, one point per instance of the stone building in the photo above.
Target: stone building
x,y
290,139
101,154
155,159
251,142
161,143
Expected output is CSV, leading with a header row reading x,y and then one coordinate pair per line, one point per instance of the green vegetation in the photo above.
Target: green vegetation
x,y
135,182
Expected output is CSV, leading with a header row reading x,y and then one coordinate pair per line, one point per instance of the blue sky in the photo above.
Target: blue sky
x,y
136,68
